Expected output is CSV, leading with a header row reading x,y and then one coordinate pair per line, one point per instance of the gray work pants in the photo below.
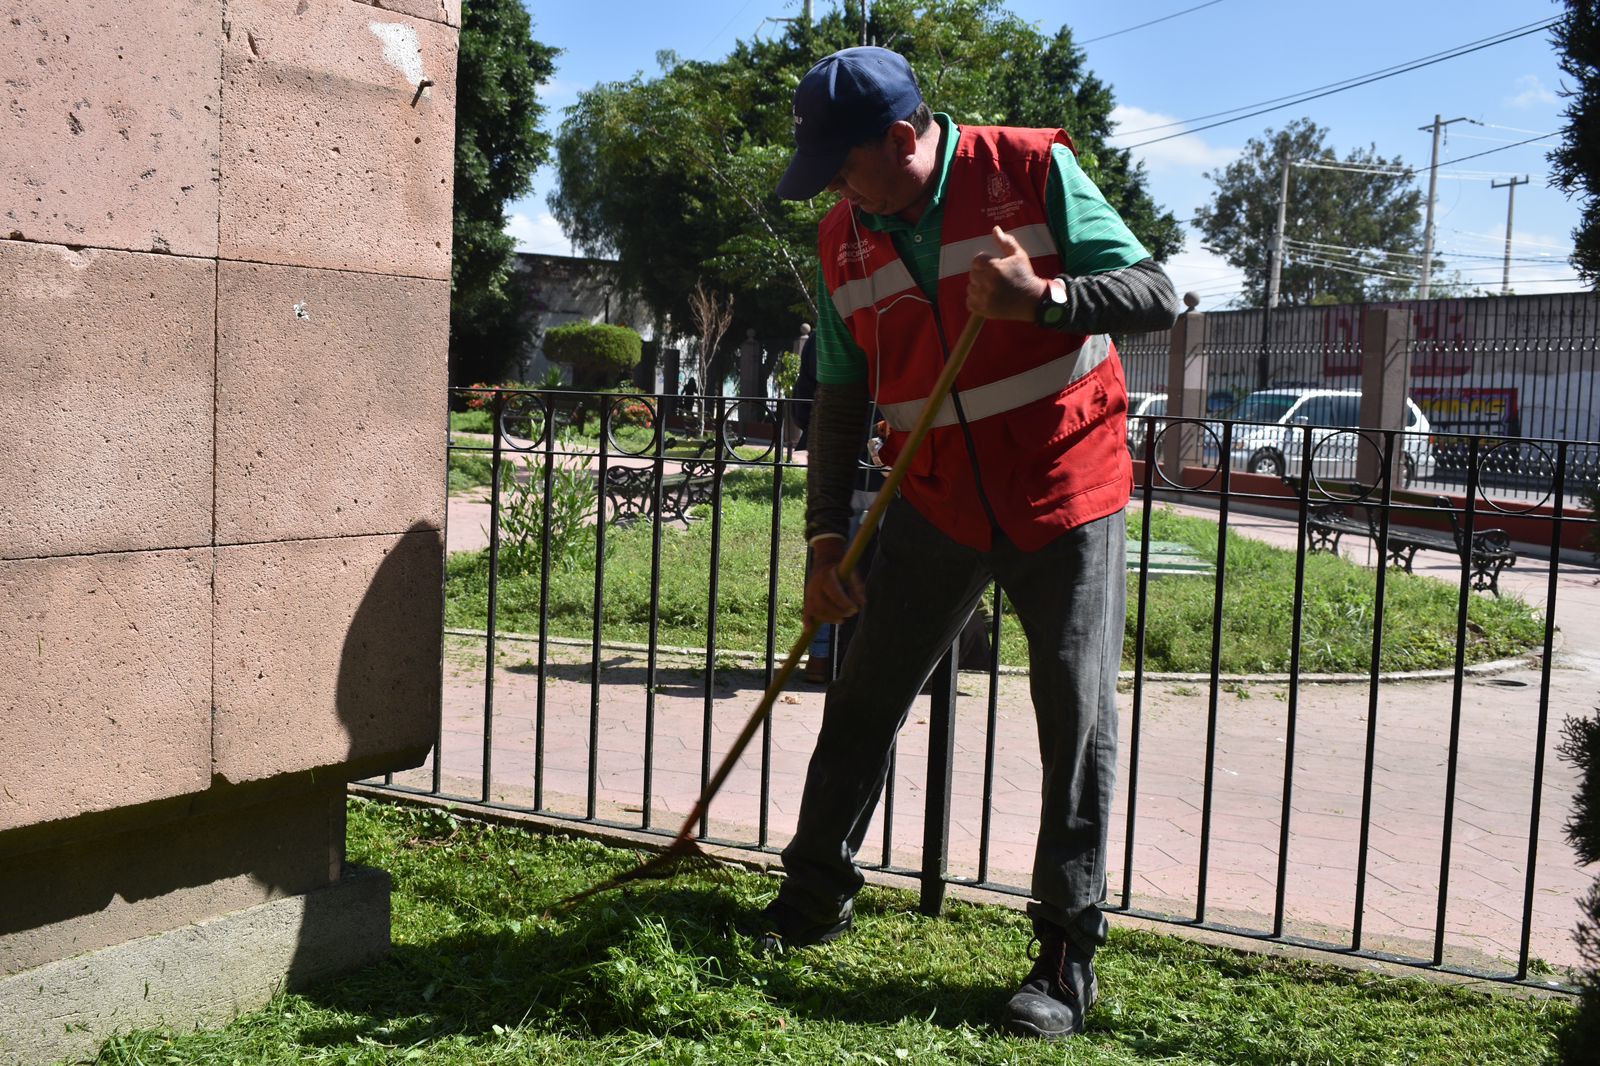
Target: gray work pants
x,y
1070,597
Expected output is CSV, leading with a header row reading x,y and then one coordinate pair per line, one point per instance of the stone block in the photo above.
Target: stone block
x,y
331,393
106,695
445,11
111,123
108,362
336,154
194,864
203,974
327,655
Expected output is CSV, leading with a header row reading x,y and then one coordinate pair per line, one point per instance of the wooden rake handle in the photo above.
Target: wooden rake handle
x,y
847,566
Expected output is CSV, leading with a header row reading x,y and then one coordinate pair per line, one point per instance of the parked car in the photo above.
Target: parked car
x,y
1270,436
1143,403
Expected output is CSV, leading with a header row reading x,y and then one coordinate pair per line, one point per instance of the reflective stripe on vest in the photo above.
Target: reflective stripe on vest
x,y
1007,394
956,258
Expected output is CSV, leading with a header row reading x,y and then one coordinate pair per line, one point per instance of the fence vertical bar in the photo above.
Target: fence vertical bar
x,y
593,784
1454,754
989,741
941,759
719,469
542,691
652,655
1369,765
1213,705
1544,707
1292,710
1141,603
494,591
774,546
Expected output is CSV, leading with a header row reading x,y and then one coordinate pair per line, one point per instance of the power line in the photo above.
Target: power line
x,y
1152,22
1492,38
1492,151
1338,87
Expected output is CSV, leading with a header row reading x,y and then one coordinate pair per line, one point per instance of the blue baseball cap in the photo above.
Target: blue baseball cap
x,y
847,99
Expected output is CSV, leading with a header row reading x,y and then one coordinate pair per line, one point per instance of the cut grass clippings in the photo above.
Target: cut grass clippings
x,y
659,975
1419,618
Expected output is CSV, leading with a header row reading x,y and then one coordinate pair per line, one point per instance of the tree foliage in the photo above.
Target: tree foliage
x,y
1577,162
675,174
498,146
598,354
1352,235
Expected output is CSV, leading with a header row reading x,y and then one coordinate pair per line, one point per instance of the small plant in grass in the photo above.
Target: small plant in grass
x,y
523,510
1580,745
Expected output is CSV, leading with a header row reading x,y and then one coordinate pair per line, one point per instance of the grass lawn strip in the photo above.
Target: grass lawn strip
x,y
479,974
1419,618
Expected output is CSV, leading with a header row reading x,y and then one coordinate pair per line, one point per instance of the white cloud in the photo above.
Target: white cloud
x,y
1190,153
1531,92
1209,276
541,233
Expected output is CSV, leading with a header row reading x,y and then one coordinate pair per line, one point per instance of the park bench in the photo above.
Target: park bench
x,y
1345,508
630,490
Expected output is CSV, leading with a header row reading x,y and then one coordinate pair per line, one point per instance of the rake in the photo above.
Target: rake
x,y
684,855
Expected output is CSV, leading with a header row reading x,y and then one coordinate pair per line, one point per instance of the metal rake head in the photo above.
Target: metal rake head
x,y
682,857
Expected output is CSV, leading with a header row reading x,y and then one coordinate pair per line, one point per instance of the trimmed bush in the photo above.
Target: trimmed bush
x,y
1581,747
599,355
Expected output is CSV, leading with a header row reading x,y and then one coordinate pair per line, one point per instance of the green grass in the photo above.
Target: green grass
x,y
479,421
479,974
470,470
1419,619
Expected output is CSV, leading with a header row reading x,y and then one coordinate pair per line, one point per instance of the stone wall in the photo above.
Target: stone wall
x,y
224,307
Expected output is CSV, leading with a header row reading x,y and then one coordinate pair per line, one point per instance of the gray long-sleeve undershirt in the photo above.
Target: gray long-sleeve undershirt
x,y
1135,299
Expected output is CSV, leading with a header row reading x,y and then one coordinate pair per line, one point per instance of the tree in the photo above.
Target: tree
x,y
498,147
675,175
1577,161
1352,234
712,316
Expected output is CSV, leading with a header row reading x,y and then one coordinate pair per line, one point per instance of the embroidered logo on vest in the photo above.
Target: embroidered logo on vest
x,y
854,252
1003,199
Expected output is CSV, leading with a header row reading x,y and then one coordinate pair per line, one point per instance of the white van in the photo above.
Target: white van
x,y
1270,438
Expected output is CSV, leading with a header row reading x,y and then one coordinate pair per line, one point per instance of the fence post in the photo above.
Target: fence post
x,y
1385,376
941,759
1186,392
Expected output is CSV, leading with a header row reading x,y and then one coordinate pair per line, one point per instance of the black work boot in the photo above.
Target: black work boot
x,y
1057,992
780,927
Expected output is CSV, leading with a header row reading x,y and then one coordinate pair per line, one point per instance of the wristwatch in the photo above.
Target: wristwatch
x,y
1052,308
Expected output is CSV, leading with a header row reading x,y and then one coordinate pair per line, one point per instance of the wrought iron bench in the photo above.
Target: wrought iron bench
x,y
630,490
1351,509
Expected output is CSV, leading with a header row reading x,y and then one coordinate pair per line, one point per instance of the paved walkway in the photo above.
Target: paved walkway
x,y
1499,721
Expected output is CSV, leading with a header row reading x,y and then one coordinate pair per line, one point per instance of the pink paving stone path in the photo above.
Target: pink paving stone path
x,y
1489,851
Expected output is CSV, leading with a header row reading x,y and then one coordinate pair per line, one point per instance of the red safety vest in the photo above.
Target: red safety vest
x,y
1046,411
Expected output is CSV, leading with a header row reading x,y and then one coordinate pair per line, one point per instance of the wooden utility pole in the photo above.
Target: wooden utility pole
x,y
1433,186
1511,204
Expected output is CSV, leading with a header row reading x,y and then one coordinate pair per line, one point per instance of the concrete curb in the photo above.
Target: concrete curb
x,y
755,660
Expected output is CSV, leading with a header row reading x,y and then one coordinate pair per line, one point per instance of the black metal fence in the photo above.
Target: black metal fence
x,y
1506,370
1355,806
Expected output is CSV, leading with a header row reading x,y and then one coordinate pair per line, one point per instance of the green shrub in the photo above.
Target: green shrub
x,y
599,355
1581,747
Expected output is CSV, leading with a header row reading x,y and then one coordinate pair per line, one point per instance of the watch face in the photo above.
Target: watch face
x,y
1052,315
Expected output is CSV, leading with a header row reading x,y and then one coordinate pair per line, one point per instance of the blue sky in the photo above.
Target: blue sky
x,y
1227,54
